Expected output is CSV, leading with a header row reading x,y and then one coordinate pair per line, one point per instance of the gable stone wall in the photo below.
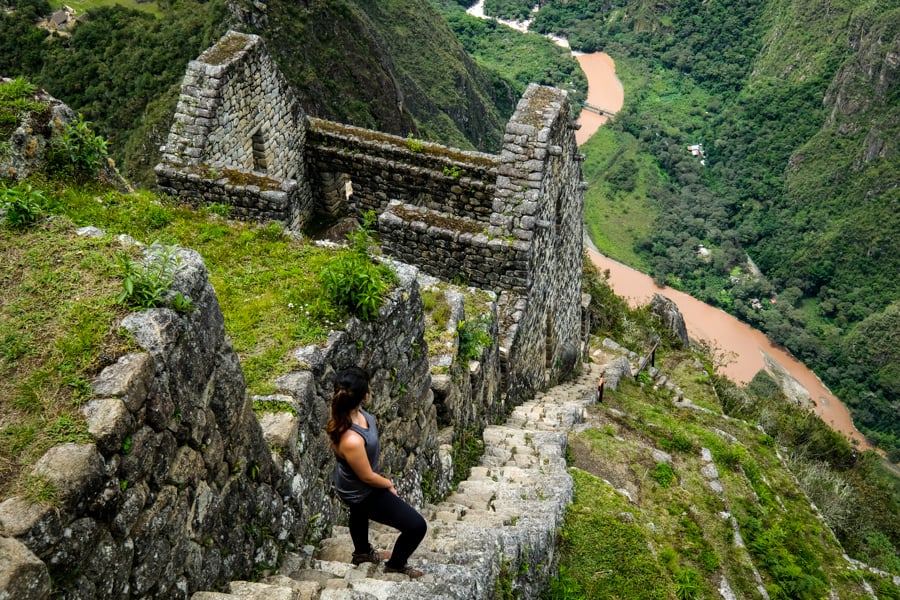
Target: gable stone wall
x,y
238,136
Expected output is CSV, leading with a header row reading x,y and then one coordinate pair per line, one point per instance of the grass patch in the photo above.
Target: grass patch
x,y
628,499
603,555
616,209
82,6
58,328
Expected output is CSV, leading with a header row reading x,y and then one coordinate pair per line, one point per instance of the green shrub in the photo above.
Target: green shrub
x,y
77,152
677,440
15,102
473,338
22,204
146,283
687,584
352,280
413,144
663,474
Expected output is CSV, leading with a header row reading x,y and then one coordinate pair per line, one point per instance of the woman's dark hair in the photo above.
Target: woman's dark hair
x,y
350,388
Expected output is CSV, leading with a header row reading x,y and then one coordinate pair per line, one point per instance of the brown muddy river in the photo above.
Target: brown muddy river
x,y
749,348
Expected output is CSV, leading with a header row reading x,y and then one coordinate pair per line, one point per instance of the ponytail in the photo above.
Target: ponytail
x,y
350,388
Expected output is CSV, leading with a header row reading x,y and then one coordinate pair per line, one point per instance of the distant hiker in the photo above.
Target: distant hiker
x,y
368,494
600,389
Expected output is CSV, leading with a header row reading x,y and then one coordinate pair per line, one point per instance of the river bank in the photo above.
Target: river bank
x,y
749,350
605,91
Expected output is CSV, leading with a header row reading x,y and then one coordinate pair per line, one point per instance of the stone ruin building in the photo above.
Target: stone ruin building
x,y
185,487
510,223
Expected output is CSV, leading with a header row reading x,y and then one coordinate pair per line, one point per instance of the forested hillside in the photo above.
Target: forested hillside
x,y
795,194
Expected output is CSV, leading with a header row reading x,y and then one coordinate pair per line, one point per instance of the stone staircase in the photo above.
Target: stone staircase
x,y
495,533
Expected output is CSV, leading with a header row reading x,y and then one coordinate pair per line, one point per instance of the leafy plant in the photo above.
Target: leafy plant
x,y
78,151
413,144
663,474
352,280
473,338
145,283
15,102
452,171
687,584
22,204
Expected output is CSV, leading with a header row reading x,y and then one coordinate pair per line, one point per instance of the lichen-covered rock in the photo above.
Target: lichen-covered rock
x,y
26,149
22,574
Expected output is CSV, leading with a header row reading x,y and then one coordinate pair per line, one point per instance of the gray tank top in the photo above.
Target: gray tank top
x,y
347,485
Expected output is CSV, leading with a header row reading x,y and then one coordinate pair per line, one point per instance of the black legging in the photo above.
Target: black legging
x,y
384,507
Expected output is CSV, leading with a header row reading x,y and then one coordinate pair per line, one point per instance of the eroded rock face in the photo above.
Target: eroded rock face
x,y
667,312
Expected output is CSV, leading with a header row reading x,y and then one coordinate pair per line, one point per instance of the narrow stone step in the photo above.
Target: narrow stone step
x,y
506,512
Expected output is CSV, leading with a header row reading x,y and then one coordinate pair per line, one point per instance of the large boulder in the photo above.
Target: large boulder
x,y
27,145
667,312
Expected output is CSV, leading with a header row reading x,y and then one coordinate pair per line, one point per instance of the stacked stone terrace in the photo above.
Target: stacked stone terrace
x,y
496,532
510,223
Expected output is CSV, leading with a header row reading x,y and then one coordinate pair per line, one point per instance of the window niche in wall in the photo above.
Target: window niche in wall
x,y
260,162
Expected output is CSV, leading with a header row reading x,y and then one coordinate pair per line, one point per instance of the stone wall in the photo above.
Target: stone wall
x,y
509,223
375,168
454,248
540,198
184,488
238,135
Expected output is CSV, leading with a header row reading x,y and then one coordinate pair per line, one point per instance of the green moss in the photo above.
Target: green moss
x,y
439,220
237,178
226,50
369,136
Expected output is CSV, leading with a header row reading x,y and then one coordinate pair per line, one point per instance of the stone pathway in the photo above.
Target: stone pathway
x,y
497,531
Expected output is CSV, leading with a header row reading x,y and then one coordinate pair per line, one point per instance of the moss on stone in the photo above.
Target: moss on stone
x,y
428,148
537,103
225,50
238,178
439,220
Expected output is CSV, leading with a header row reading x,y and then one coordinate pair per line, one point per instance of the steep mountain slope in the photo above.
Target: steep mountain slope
x,y
393,66
798,108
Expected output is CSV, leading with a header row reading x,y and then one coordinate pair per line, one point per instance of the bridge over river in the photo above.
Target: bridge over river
x,y
600,111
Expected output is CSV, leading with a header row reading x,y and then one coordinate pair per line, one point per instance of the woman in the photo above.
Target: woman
x,y
368,494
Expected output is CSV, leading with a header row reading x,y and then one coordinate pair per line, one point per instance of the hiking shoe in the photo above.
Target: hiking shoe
x,y
407,570
372,556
